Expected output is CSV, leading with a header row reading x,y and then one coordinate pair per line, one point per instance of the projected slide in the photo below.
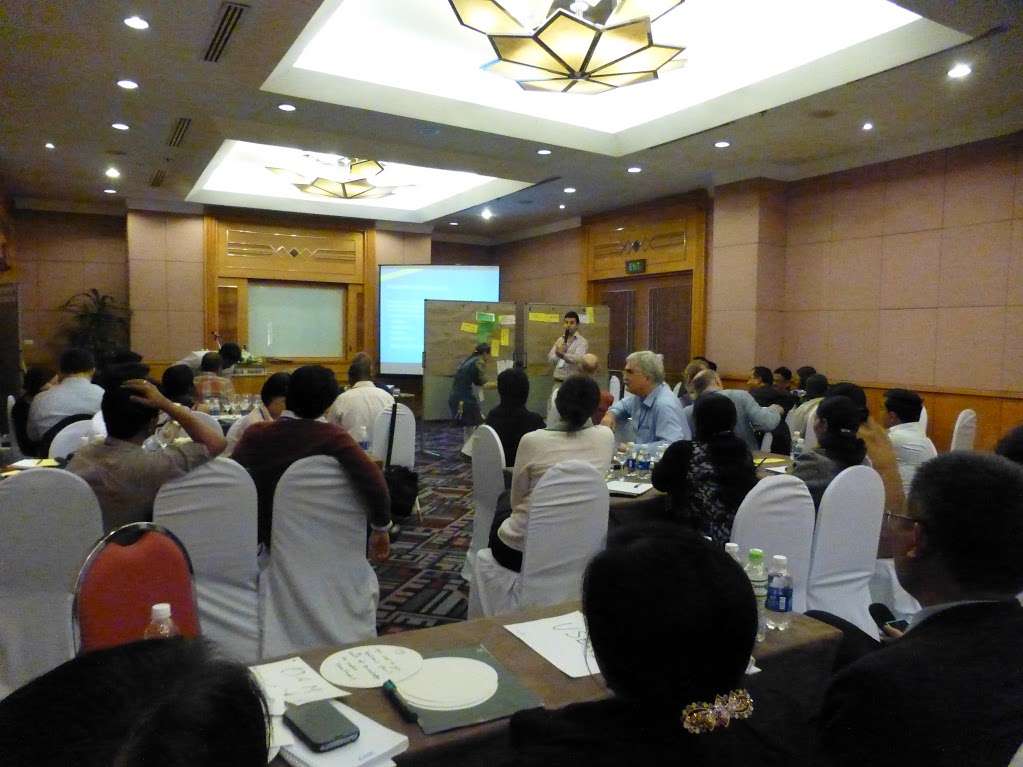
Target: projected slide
x,y
403,291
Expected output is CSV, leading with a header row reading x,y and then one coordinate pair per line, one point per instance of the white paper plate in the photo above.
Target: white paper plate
x,y
370,665
447,684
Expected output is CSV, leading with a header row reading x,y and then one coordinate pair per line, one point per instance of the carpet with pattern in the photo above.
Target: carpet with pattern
x,y
421,583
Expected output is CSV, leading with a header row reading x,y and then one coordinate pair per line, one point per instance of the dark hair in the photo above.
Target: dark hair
x,y
805,372
312,389
361,368
513,387
576,400
177,385
706,616
1011,445
971,505
854,393
481,348
840,442
231,353
905,404
764,375
36,377
123,417
816,386
211,363
572,316
274,387
172,702
76,360
784,372
714,417
710,364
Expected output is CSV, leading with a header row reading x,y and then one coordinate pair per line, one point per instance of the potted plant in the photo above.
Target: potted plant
x,y
100,323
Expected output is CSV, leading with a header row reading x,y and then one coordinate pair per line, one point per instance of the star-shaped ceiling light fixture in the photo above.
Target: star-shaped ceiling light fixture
x,y
580,49
344,178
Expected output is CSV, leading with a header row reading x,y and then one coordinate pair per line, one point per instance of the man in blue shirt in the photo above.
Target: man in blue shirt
x,y
653,408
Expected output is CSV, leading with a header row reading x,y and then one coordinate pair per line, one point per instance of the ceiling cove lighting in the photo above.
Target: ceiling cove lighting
x,y
343,177
110,191
722,144
562,207
959,71
128,85
594,47
569,190
286,107
452,223
113,173
635,169
136,22
119,126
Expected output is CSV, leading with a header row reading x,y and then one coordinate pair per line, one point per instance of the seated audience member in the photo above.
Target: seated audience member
x,y
126,477
783,379
210,382
947,692
169,702
572,437
510,418
1011,445
763,389
269,408
749,415
837,449
230,352
708,478
695,367
653,408
816,387
902,410
802,376
268,449
589,366
363,400
178,385
710,365
74,395
639,606
38,378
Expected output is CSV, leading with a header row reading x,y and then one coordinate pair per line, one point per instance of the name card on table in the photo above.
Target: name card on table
x,y
562,640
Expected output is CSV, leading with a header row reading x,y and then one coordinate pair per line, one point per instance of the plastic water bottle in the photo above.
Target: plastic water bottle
x,y
630,460
732,550
362,437
758,578
779,594
214,405
643,464
161,625
797,445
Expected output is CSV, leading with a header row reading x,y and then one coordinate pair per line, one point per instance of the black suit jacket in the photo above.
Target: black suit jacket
x,y
947,694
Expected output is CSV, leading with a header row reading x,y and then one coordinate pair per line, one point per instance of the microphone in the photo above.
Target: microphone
x,y
566,336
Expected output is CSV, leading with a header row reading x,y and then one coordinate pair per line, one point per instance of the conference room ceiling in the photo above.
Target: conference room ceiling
x,y
60,63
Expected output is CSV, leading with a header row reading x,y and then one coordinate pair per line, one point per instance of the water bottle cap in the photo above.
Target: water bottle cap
x,y
781,560
732,547
161,611
756,555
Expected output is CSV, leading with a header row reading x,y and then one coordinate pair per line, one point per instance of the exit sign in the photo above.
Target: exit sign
x,y
638,266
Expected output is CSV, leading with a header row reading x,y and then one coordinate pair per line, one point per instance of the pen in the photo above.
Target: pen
x,y
399,702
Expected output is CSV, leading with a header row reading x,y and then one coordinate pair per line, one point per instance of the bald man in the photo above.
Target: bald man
x,y
589,365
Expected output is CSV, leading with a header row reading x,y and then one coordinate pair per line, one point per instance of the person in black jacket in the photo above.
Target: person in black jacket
x,y
510,419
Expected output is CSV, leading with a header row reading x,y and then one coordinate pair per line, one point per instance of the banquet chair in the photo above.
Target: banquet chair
x,y
318,588
99,425
777,516
810,438
844,549
69,439
125,574
57,428
212,510
614,385
50,520
404,451
885,588
209,420
676,388
16,452
567,524
487,486
964,433
923,419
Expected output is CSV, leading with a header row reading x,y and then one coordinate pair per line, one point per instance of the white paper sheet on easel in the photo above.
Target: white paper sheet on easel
x,y
562,640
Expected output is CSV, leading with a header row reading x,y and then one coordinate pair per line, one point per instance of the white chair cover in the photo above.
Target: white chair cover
x,y
99,425
964,433
50,520
69,439
923,419
567,524
209,420
212,509
845,546
767,442
777,516
404,452
16,452
615,387
676,388
487,485
886,589
810,438
318,588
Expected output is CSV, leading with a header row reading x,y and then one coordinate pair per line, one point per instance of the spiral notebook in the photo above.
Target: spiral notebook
x,y
374,748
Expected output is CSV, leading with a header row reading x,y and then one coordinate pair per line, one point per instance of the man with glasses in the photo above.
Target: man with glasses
x,y
950,690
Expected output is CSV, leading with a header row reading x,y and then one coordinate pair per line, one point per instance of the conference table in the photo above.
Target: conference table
x,y
795,664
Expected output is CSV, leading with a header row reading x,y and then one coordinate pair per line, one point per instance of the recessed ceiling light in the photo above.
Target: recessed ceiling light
x,y
128,85
119,126
113,173
136,23
286,107
868,126
486,213
722,144
959,70
110,191
49,145
562,207
620,229
635,169
569,190
543,151
453,223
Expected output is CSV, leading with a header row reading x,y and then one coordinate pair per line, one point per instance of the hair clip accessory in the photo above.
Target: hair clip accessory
x,y
705,717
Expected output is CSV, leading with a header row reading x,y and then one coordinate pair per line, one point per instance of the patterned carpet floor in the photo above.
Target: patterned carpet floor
x,y
421,584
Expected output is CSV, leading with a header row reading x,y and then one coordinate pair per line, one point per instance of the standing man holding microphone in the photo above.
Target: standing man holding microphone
x,y
568,350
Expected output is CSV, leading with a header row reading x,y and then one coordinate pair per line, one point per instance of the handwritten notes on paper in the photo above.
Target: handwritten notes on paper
x,y
371,665
469,327
294,681
544,317
562,640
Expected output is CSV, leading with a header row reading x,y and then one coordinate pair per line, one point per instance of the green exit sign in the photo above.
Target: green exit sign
x,y
638,266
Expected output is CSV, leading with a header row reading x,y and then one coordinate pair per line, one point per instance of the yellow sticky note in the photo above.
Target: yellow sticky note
x,y
505,335
495,349
468,327
589,314
536,317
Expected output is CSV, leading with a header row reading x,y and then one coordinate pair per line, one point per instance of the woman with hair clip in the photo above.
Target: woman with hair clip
x,y
672,621
571,435
708,478
838,447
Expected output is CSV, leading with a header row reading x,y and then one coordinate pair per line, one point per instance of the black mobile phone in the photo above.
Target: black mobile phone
x,y
898,625
321,726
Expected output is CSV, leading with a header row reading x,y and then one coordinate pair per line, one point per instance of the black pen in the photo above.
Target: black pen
x,y
399,702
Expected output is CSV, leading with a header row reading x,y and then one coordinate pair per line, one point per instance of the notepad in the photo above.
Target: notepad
x,y
32,463
631,489
374,748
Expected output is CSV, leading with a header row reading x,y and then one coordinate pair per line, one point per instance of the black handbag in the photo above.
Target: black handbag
x,y
402,482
